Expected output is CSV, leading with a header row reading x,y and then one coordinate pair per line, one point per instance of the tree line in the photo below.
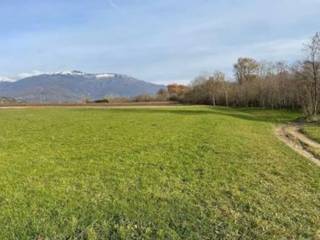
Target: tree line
x,y
259,84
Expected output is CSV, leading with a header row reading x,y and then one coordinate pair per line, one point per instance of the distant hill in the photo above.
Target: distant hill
x,y
75,86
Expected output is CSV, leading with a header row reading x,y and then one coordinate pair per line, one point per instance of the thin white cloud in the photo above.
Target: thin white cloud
x,y
6,79
164,41
20,76
113,4
23,75
29,74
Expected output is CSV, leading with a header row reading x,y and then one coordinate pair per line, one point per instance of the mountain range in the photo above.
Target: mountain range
x,y
75,86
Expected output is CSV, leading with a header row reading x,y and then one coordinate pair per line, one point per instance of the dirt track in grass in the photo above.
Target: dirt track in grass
x,y
292,135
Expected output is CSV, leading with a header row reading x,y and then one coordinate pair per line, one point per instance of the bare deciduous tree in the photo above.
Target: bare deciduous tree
x,y
264,84
214,86
311,74
246,69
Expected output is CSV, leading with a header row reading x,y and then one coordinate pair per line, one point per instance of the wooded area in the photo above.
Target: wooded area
x,y
259,84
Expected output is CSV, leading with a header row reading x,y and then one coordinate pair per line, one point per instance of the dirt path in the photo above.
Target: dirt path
x,y
292,136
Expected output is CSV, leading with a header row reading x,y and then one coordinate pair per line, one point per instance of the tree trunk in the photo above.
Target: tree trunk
x,y
315,87
213,101
226,98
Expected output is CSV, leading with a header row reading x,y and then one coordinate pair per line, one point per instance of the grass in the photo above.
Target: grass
x,y
160,173
313,131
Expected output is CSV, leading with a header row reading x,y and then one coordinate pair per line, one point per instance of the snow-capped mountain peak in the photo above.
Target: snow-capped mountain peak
x,y
105,75
74,86
79,73
74,72
64,73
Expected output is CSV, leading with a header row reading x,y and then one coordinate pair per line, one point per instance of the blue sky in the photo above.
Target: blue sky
x,y
160,41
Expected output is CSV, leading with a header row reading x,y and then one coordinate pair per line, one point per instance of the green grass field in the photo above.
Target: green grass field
x,y
313,131
156,173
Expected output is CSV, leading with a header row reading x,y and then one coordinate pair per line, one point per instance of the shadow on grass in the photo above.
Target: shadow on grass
x,y
261,115
249,114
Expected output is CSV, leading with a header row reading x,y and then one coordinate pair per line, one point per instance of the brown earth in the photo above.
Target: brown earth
x,y
292,135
